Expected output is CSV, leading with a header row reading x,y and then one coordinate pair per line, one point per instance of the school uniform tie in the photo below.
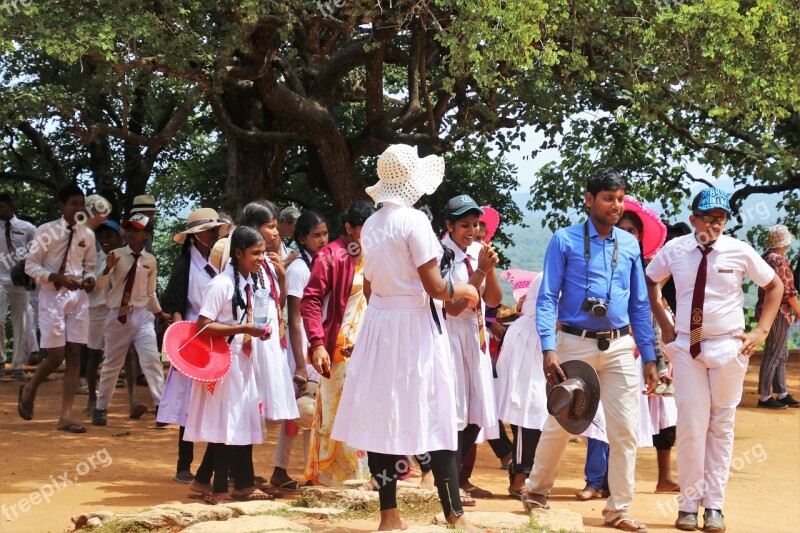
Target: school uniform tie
x,y
9,246
247,342
63,267
274,291
210,271
698,297
481,325
122,315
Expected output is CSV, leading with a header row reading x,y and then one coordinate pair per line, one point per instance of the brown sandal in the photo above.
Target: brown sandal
x,y
588,493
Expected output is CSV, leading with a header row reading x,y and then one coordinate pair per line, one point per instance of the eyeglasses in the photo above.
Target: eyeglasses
x,y
710,219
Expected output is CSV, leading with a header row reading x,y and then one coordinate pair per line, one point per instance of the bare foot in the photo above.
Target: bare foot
x,y
251,494
667,485
200,488
463,524
390,520
427,480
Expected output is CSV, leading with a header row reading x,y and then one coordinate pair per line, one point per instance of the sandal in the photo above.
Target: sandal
x,y
531,504
255,495
289,486
216,499
515,493
588,493
72,428
477,492
625,523
466,499
24,413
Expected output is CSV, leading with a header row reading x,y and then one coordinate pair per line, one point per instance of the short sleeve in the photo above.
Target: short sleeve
x,y
297,278
755,267
422,241
658,270
218,293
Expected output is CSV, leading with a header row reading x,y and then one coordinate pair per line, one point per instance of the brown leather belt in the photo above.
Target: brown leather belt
x,y
607,335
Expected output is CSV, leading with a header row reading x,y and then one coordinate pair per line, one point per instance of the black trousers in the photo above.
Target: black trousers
x,y
664,439
386,469
216,462
185,452
502,445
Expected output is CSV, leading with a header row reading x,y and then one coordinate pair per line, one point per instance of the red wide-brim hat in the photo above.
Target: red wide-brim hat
x,y
520,280
491,218
199,357
655,232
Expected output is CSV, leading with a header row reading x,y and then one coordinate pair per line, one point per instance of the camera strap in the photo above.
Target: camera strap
x,y
587,255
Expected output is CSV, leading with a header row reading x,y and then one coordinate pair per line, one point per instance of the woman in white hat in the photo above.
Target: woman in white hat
x,y
772,373
399,393
182,300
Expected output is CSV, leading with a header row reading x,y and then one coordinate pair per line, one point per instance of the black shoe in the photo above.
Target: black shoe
x,y
771,403
100,417
713,521
788,401
686,521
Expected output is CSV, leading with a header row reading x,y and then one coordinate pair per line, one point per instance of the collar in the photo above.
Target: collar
x,y
593,230
458,255
129,251
197,258
11,220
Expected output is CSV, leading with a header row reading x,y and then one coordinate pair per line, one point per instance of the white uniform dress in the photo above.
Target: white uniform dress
x,y
521,385
474,382
174,407
275,385
399,393
297,275
231,414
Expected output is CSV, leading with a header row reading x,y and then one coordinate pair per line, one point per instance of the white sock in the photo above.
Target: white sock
x,y
783,395
765,398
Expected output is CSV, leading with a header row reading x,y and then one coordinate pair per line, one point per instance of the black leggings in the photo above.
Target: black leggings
x,y
664,439
216,461
385,470
525,443
466,440
185,452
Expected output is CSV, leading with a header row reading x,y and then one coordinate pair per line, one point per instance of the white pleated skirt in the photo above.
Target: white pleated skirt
x,y
274,378
399,393
174,406
521,385
231,414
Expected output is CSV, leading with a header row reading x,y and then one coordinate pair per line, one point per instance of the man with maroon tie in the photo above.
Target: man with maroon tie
x,y
708,348
132,304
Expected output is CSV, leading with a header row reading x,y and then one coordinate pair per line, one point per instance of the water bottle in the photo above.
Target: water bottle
x,y
362,471
261,307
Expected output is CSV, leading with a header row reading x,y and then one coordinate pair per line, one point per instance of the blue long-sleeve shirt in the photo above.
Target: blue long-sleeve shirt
x,y
564,285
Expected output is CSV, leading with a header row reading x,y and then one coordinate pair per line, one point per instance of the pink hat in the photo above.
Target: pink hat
x,y
491,218
196,356
520,280
654,230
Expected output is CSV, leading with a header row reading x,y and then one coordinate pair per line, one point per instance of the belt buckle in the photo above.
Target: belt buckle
x,y
606,335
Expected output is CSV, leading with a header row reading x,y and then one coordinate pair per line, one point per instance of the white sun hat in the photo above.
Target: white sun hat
x,y
405,177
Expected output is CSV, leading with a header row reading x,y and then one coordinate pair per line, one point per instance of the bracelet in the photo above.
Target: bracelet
x,y
482,271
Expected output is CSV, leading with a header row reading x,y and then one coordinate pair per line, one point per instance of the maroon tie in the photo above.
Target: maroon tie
x,y
122,316
481,325
698,297
9,246
63,267
210,271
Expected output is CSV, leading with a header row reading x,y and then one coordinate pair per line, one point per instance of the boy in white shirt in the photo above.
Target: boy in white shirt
x,y
61,261
132,304
16,234
708,348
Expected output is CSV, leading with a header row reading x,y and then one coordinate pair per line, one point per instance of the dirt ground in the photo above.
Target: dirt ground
x,y
128,465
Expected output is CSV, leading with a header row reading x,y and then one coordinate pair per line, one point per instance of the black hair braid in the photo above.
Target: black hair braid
x,y
237,297
305,254
261,276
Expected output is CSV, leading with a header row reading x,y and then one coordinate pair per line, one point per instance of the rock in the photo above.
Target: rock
x,y
551,520
559,519
316,512
338,498
248,524
256,507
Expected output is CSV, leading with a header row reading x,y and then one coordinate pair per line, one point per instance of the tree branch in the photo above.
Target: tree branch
x,y
254,136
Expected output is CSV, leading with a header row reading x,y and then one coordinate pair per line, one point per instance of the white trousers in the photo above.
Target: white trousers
x,y
283,453
707,391
140,332
15,300
619,392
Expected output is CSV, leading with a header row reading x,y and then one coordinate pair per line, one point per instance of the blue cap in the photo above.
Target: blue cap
x,y
458,205
711,198
111,224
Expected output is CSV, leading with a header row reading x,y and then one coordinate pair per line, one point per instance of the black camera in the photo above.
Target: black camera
x,y
595,306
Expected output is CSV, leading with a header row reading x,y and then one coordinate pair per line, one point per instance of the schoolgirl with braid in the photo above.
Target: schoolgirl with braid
x,y
227,415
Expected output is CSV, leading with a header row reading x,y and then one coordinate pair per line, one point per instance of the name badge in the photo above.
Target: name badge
x,y
145,266
725,271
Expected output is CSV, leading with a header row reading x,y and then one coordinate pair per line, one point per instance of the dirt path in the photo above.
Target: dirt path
x,y
47,476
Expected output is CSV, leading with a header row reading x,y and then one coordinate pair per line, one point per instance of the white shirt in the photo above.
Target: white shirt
x,y
217,302
48,249
461,275
198,283
98,296
143,292
297,275
728,262
396,241
21,234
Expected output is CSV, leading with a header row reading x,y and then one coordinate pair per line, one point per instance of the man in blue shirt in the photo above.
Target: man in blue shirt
x,y
593,289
